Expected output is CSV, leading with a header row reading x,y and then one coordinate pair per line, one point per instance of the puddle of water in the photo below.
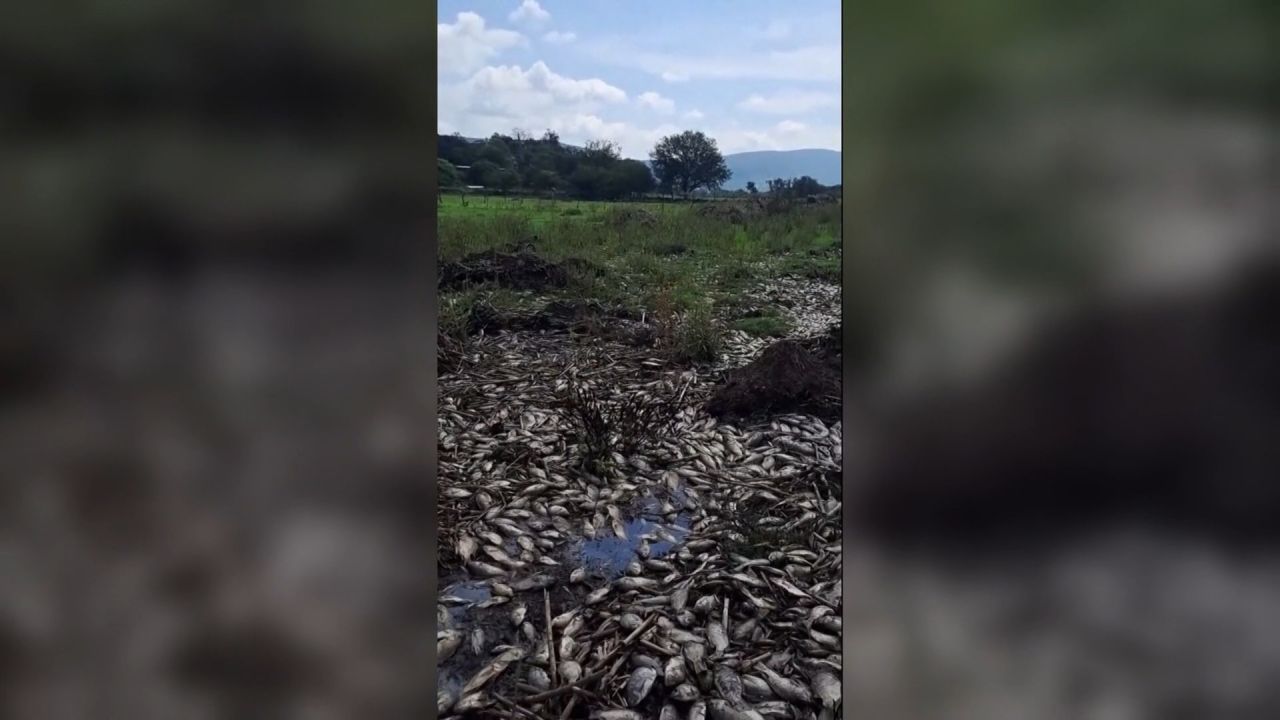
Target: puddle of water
x,y
473,590
607,555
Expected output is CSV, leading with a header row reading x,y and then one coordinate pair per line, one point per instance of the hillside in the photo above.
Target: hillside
x,y
764,165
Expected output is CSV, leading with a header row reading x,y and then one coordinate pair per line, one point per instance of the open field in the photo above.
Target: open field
x,y
609,469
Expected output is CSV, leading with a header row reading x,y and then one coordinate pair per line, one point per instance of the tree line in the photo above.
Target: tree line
x,y
682,163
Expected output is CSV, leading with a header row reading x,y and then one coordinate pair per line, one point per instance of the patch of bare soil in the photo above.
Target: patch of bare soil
x,y
789,376
581,316
520,270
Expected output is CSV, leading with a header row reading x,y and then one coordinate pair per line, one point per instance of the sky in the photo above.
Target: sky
x,y
751,75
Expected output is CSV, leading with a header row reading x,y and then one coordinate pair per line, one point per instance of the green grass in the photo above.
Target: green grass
x,y
643,255
763,326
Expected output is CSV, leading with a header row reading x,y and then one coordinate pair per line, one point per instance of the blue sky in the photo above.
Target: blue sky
x,y
753,75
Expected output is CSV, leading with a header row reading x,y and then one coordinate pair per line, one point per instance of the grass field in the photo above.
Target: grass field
x,y
691,257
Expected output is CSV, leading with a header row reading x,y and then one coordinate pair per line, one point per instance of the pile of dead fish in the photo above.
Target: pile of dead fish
x,y
730,604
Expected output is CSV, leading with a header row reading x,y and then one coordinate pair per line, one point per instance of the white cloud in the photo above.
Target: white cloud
x,y
529,12
656,102
694,115
814,63
467,45
788,103
790,127
555,37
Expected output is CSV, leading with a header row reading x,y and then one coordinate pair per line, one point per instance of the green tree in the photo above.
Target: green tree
x,y
689,161
589,182
506,179
630,177
448,174
751,187
484,172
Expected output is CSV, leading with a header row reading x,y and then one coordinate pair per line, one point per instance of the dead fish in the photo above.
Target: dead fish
x,y
826,687
566,647
669,712
729,685
485,570
571,671
673,673
467,547
679,597
642,660
682,637
526,542
659,565
706,604
774,709
477,641
447,643
698,711
629,621
597,595
742,630
755,689
561,620
517,614
444,701
686,618
493,602
639,684
786,688
684,692
492,670
539,678
634,568
616,714
472,702
533,582
695,653
635,583
531,634
501,589
724,710
578,575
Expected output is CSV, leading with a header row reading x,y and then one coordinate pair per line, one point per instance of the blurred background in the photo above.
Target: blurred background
x,y
215,352
1061,258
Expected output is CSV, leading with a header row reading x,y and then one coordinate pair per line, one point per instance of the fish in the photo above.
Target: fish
x,y
472,702
684,692
467,547
597,595
517,614
571,671
669,712
826,687
716,634
786,688
578,575
695,655
616,714
484,569
539,679
492,670
477,641
635,583
639,684
533,582
755,689
447,643
444,701
673,673
729,685
698,711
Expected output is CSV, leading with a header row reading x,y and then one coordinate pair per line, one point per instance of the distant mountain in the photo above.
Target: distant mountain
x,y
764,165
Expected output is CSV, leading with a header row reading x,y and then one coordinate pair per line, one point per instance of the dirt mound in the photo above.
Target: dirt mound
x,y
627,216
521,270
733,212
789,376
